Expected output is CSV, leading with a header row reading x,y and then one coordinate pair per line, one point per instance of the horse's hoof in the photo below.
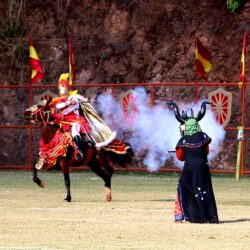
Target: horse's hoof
x,y
42,184
39,164
68,199
108,194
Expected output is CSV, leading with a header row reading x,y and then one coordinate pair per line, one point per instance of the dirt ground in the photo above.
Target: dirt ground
x,y
139,217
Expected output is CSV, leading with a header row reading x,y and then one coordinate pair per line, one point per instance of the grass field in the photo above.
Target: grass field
x,y
139,217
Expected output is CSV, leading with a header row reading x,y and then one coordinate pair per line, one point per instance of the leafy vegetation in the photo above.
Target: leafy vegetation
x,y
14,19
234,5
12,29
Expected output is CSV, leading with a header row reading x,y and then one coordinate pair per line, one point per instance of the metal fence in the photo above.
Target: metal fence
x,y
27,143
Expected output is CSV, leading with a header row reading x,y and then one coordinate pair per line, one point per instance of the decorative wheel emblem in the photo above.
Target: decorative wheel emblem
x,y
129,107
221,101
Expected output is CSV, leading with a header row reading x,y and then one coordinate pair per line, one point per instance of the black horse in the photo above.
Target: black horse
x,y
101,161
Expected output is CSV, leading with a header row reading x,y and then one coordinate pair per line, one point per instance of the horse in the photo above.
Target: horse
x,y
101,161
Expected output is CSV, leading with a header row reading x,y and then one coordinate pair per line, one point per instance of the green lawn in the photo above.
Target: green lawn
x,y
140,215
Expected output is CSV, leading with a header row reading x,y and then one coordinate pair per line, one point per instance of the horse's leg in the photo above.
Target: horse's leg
x,y
64,164
109,168
96,167
39,182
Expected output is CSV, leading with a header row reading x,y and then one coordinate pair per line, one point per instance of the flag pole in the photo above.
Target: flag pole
x,y
203,62
30,127
196,78
240,137
196,91
30,130
71,61
36,74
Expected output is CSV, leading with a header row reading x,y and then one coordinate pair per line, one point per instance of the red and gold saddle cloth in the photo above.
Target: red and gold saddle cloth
x,y
56,147
49,152
117,146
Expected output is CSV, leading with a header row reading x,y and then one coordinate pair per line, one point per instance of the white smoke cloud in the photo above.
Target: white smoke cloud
x,y
210,126
155,130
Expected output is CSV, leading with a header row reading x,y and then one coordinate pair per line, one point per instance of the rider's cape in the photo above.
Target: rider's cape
x,y
100,133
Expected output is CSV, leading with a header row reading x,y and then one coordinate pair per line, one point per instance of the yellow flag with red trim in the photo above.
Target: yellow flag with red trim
x,y
35,65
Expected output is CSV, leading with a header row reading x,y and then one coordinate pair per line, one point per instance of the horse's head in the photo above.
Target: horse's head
x,y
39,112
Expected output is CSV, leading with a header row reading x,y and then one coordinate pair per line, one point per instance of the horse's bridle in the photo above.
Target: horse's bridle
x,y
43,114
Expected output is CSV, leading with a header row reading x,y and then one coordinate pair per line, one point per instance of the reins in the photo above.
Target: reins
x,y
43,115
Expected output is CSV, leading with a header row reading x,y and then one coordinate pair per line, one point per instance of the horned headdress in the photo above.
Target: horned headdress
x,y
189,121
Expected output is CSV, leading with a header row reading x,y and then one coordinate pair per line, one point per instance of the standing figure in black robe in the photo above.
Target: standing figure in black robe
x,y
195,201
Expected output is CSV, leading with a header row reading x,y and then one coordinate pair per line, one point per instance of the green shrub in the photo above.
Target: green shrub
x,y
234,5
12,29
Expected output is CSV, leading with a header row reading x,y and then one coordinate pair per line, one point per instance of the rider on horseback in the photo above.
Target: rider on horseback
x,y
66,111
78,120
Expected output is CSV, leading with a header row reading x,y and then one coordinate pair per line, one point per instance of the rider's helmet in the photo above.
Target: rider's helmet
x,y
63,84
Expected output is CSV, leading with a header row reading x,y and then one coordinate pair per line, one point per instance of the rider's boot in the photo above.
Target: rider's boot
x,y
79,145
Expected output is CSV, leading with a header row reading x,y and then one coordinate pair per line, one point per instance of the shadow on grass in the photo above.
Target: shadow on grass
x,y
126,200
234,221
167,200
